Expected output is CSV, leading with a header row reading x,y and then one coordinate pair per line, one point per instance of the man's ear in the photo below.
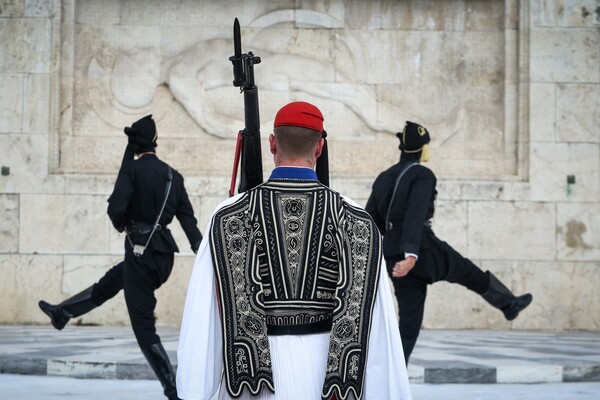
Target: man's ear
x,y
319,148
272,143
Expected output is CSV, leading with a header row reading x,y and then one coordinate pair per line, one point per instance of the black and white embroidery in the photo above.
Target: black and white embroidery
x,y
359,272
246,347
293,256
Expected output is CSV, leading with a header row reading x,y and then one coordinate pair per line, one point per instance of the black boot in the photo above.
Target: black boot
x,y
72,307
501,297
159,361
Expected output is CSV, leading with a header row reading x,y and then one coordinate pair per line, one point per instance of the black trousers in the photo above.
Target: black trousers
x,y
139,277
437,261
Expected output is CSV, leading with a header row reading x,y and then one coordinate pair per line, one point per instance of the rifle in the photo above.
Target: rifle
x,y
248,140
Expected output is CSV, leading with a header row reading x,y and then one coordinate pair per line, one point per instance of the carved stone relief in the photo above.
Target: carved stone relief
x,y
448,65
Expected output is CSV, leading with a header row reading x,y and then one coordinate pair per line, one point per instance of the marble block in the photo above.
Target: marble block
x,y
529,374
542,112
565,295
574,122
581,373
61,224
578,232
9,223
31,53
553,164
565,13
565,55
39,8
511,230
26,280
36,112
458,372
83,370
11,102
450,223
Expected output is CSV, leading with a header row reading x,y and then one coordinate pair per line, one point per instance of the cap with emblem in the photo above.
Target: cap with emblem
x,y
414,142
143,134
413,137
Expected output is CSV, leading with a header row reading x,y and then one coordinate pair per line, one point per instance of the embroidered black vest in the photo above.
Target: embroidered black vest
x,y
292,257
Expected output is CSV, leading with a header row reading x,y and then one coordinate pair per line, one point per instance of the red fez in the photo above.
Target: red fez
x,y
300,113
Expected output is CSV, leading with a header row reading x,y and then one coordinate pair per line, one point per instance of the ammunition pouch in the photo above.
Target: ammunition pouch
x,y
141,228
139,232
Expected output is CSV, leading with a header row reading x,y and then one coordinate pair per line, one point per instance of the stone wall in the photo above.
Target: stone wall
x,y
510,91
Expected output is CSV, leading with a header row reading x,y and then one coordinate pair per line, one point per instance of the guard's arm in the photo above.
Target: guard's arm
x,y
373,211
189,223
120,197
419,198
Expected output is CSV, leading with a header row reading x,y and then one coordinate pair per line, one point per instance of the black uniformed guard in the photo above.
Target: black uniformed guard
x,y
147,195
402,205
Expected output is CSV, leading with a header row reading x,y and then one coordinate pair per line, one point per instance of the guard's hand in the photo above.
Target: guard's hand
x,y
196,246
402,268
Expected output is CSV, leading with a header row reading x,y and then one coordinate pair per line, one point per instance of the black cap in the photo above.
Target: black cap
x,y
143,134
413,137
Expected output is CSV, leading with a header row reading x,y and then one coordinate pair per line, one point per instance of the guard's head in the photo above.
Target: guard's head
x,y
143,134
297,132
414,141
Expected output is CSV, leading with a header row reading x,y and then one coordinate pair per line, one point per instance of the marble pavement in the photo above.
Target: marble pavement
x,y
441,356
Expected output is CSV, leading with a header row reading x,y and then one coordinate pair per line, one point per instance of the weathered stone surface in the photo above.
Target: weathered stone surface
x,y
36,110
27,158
542,113
91,184
39,8
358,189
12,8
31,53
450,223
578,232
565,55
565,295
460,372
574,122
571,13
512,231
25,280
208,204
9,223
11,102
58,224
551,165
78,369
589,373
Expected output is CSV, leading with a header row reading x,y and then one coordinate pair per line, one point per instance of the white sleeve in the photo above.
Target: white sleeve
x,y
386,376
200,355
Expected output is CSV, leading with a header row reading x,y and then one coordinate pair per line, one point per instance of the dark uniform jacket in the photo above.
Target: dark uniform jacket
x,y
138,196
410,211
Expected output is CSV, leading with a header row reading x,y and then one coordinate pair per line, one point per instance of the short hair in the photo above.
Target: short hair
x,y
296,141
